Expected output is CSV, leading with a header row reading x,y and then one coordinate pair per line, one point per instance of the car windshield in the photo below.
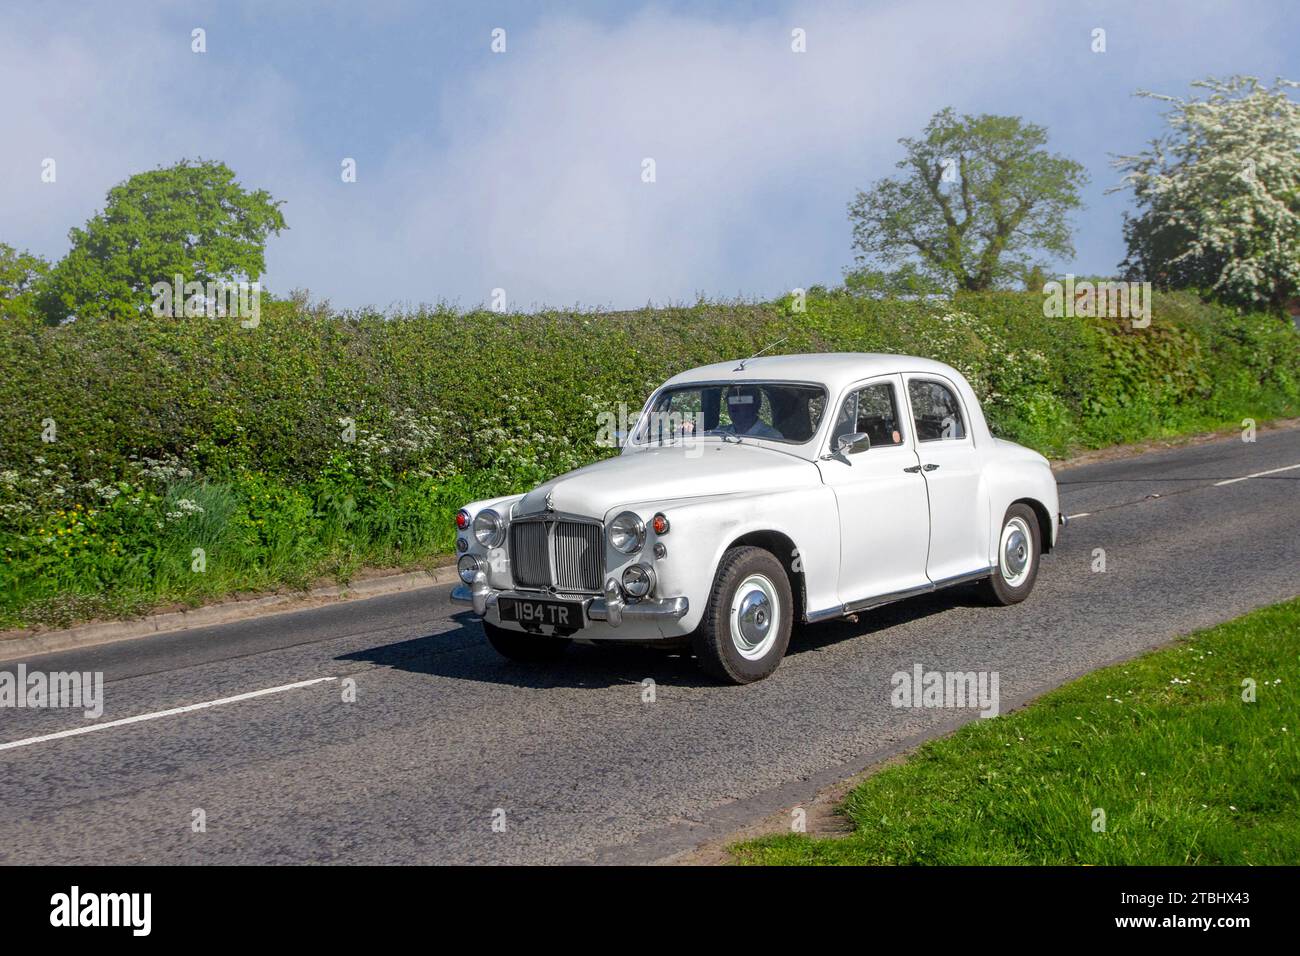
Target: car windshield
x,y
773,411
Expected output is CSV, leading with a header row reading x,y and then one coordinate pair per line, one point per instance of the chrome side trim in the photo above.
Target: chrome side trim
x,y
967,578
866,604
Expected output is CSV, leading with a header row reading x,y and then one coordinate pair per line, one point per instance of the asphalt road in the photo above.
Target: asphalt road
x,y
443,735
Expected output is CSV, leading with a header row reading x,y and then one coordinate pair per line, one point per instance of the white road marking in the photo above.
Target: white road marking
x,y
78,731
1217,484
1258,474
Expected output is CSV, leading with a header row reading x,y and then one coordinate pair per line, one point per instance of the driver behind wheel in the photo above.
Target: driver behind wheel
x,y
742,406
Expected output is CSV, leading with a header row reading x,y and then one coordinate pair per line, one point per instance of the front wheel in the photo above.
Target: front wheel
x,y
746,625
1019,546
524,647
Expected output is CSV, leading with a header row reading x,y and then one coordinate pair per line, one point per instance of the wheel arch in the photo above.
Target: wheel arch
x,y
782,547
1044,521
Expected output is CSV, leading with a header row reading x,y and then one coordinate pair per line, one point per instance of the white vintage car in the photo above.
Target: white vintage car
x,y
755,495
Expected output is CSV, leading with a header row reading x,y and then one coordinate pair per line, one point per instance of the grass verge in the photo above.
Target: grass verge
x,y
1184,769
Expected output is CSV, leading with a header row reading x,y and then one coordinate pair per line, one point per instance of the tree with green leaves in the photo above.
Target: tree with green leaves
x,y
20,274
192,219
979,200
907,281
1219,195
19,271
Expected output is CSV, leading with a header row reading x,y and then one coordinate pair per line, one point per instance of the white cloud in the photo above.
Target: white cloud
x,y
536,187
529,178
106,99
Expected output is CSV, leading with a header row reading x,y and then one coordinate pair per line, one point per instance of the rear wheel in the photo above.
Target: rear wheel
x,y
746,625
524,647
1018,549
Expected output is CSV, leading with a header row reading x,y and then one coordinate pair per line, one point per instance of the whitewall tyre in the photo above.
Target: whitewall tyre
x,y
746,625
1019,546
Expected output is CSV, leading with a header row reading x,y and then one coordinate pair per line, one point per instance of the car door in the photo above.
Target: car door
x,y
880,493
958,509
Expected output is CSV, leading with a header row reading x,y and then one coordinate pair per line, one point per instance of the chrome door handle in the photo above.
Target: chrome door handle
x,y
914,469
931,467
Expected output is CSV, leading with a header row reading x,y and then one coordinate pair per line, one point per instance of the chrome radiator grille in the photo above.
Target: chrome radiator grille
x,y
529,555
566,555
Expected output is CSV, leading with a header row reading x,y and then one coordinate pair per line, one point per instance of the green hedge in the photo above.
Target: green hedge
x,y
248,427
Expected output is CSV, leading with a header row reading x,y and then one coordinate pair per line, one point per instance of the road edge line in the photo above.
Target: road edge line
x,y
22,645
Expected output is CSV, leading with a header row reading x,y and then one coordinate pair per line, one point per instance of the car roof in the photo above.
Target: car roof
x,y
835,370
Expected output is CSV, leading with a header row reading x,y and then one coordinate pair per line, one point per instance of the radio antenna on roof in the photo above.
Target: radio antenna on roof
x,y
741,366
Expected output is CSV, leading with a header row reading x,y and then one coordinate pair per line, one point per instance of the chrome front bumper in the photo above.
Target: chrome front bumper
x,y
613,609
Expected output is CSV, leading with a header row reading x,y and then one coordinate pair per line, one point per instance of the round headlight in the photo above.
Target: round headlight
x,y
638,580
467,567
489,529
627,533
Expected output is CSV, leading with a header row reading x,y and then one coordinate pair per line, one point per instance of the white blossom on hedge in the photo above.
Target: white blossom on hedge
x,y
1229,173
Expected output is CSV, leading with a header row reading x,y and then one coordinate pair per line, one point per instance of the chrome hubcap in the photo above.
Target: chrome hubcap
x,y
755,617
1016,552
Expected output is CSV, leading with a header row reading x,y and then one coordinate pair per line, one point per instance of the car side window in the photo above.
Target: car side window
x,y
872,409
936,411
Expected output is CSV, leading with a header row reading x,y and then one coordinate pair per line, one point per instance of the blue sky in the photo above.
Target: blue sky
x,y
522,170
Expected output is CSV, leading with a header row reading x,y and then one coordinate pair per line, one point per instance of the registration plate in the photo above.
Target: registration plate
x,y
533,612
